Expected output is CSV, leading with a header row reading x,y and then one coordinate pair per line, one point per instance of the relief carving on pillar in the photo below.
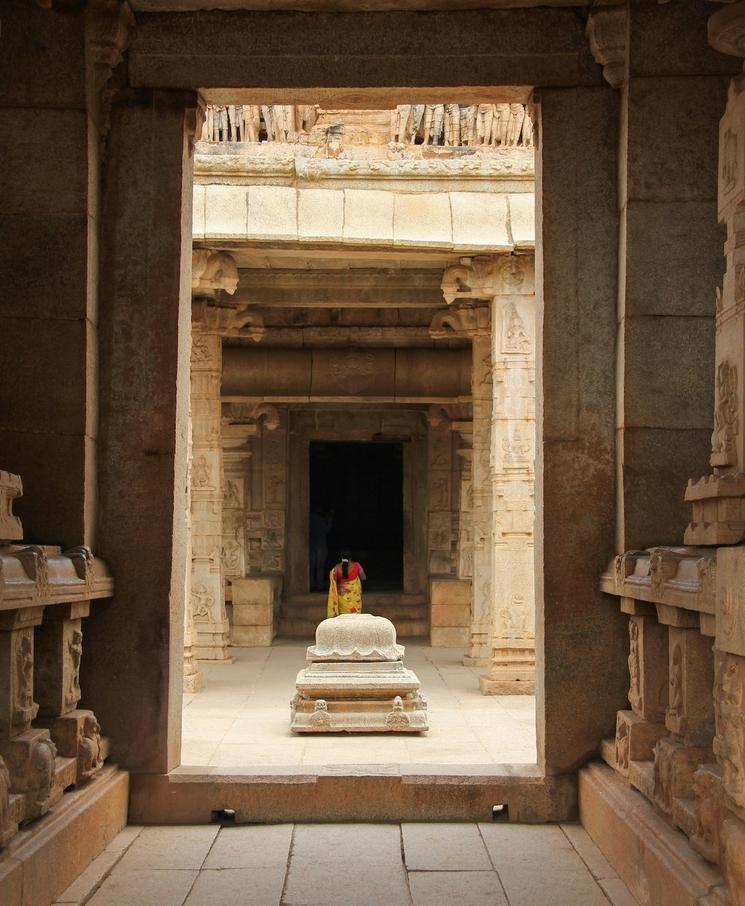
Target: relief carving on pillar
x,y
202,603
729,709
74,654
675,708
635,689
8,827
24,709
726,417
515,337
201,473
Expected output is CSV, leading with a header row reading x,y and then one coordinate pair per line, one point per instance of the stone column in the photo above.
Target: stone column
x,y
145,308
207,583
668,255
580,642
52,117
193,676
482,489
512,667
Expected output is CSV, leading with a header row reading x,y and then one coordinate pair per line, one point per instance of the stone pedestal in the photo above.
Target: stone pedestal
x,y
255,610
355,681
450,613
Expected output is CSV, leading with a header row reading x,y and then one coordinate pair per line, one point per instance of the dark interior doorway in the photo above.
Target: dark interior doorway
x,y
358,489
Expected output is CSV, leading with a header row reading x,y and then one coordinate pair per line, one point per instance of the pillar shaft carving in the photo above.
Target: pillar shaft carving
x,y
512,666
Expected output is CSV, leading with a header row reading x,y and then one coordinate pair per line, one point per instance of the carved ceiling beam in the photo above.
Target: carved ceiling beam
x,y
607,31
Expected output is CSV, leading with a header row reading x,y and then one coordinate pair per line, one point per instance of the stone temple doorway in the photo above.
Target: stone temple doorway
x,y
356,495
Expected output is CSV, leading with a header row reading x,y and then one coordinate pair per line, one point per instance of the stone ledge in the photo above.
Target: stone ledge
x,y
655,861
367,793
43,860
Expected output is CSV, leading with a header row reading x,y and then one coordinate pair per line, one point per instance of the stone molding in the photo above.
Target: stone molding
x,y
316,170
607,31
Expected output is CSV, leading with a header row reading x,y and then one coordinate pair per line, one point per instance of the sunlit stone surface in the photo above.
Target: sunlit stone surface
x,y
356,681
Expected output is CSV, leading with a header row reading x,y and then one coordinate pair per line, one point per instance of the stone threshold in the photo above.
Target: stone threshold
x,y
382,793
654,859
41,861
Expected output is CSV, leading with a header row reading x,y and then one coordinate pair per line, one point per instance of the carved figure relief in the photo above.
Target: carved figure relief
x,y
707,792
514,616
320,717
7,827
72,684
514,335
353,370
201,473
233,498
726,417
231,556
729,712
663,776
89,749
202,602
622,745
200,352
39,778
675,708
397,719
24,709
728,613
635,692
729,162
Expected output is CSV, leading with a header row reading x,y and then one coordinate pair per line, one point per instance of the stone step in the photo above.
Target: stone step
x,y
380,598
306,629
394,613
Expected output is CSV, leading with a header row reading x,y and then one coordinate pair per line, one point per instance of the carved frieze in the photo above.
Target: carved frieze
x,y
726,417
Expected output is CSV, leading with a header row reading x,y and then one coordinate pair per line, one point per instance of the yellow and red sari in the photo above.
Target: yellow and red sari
x,y
345,595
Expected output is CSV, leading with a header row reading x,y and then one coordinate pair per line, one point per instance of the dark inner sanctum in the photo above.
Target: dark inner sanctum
x,y
358,488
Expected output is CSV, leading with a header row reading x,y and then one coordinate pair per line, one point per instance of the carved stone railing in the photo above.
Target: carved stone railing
x,y
47,743
681,743
448,125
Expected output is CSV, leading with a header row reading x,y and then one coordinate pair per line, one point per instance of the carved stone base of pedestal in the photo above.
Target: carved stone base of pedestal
x,y
212,646
401,714
718,504
476,660
674,767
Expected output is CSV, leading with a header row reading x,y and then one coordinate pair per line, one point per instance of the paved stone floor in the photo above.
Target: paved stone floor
x,y
242,716
351,865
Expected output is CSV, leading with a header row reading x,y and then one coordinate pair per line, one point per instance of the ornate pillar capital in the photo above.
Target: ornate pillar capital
x,y
107,28
211,272
484,277
463,322
607,32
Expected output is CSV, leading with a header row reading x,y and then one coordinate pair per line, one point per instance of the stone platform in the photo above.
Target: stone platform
x,y
356,682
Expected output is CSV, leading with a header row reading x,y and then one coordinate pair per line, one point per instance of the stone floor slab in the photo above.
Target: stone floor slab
x,y
251,847
170,847
456,888
444,847
238,887
154,887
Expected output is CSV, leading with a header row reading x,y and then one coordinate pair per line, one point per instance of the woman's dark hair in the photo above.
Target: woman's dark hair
x,y
345,558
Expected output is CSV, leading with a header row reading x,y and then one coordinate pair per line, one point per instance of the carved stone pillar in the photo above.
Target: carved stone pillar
x,y
512,667
193,676
211,273
501,490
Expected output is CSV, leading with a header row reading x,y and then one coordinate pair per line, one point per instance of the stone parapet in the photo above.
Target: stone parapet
x,y
47,744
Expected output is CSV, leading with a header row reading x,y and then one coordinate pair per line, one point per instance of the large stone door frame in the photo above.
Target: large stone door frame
x,y
580,646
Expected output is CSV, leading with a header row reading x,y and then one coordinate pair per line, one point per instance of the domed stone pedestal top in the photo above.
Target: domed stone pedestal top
x,y
356,682
356,637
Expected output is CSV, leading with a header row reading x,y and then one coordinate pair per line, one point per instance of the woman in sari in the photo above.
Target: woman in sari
x,y
345,587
